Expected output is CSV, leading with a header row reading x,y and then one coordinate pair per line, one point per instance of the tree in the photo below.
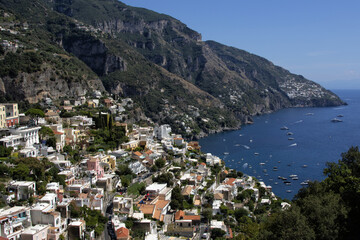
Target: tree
x,y
46,132
160,163
239,213
217,233
35,114
207,214
5,152
177,199
286,225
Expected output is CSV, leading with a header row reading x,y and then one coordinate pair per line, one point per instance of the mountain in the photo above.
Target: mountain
x,y
197,86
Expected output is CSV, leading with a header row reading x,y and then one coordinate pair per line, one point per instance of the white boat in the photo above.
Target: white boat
x,y
226,153
291,138
292,175
289,133
295,178
262,163
284,128
335,120
304,183
304,166
256,153
246,146
293,145
288,191
309,114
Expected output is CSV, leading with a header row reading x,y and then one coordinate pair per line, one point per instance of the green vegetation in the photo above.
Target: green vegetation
x,y
136,189
323,210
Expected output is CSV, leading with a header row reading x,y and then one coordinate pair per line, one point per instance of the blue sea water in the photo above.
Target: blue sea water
x,y
256,149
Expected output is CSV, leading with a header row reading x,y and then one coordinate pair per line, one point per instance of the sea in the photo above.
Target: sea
x,y
263,149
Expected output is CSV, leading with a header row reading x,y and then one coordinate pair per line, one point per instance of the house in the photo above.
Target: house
x,y
23,189
153,190
130,145
181,215
13,221
52,116
12,114
2,117
93,164
122,234
59,136
162,131
13,141
49,198
123,205
43,213
194,146
76,229
69,176
136,167
212,160
221,225
30,135
37,232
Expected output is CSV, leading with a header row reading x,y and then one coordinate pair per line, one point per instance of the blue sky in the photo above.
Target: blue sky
x,y
315,38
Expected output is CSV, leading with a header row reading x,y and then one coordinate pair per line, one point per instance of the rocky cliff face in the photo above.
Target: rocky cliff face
x,y
198,87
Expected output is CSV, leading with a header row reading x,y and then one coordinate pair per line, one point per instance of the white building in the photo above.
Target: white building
x,y
162,131
38,232
50,198
11,141
212,160
137,167
154,189
23,189
30,135
13,221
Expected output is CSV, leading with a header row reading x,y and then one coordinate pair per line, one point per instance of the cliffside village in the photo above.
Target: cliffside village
x,y
174,192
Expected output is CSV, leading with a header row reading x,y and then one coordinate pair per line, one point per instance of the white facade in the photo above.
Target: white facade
x,y
30,135
22,189
12,222
162,131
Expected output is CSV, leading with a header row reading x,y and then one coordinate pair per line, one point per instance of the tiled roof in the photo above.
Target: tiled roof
x,y
122,233
159,206
147,208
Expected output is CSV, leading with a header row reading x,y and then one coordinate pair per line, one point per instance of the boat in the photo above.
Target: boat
x,y
291,138
237,145
275,168
265,170
304,183
295,178
292,175
293,145
226,153
246,147
288,191
340,115
262,163
335,120
284,128
309,114
287,182
256,153
276,183
289,133
304,166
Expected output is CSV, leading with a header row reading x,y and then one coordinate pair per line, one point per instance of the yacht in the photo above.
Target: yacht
x,y
284,128
289,133
340,115
335,120
291,138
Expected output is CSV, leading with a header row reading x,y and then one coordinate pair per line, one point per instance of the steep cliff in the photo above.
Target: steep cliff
x,y
175,77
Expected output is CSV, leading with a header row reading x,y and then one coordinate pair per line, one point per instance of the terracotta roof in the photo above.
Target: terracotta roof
x,y
218,196
138,153
226,171
204,164
3,238
230,234
197,202
179,214
187,190
122,233
198,178
58,133
148,152
159,205
147,208
230,181
192,217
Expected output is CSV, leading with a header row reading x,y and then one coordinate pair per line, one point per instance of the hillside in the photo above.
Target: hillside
x,y
198,87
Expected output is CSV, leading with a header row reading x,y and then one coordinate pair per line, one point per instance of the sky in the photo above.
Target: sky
x,y
314,38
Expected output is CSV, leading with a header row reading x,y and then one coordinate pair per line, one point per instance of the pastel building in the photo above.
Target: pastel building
x,y
38,232
12,114
93,164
